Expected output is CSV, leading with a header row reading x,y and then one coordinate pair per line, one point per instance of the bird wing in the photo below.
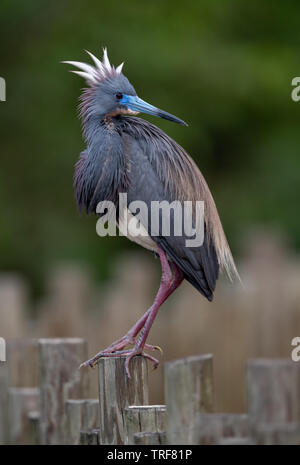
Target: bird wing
x,y
161,170
199,264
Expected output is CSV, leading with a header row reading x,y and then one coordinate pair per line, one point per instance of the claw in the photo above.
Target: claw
x,y
142,354
155,365
153,348
87,363
160,349
153,360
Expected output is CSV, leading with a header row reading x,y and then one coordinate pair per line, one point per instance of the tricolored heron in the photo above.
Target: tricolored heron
x,y
126,154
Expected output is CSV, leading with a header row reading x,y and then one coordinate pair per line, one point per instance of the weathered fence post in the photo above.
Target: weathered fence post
x,y
34,425
188,392
151,439
283,434
236,441
13,305
61,379
3,403
89,437
144,418
80,414
210,428
22,361
21,402
273,391
117,391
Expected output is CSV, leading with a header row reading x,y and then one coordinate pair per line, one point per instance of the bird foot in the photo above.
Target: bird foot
x,y
124,341
129,355
117,348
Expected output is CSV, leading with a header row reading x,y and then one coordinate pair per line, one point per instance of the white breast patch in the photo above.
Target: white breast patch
x,y
129,225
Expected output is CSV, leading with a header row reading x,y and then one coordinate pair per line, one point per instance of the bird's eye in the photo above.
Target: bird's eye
x,y
119,95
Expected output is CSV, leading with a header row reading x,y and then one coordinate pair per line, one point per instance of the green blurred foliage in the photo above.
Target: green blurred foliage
x,y
225,67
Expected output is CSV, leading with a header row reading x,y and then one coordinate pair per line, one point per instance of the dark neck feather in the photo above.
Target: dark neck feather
x,y
101,171
90,117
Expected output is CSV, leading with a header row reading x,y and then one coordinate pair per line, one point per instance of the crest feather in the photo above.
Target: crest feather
x,y
88,77
96,60
101,69
106,62
119,68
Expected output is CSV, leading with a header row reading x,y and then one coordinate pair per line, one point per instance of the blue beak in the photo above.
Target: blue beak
x,y
137,104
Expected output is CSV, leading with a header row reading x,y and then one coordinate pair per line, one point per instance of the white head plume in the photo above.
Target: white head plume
x,y
101,69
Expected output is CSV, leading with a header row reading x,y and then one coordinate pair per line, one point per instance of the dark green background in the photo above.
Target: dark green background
x,y
225,67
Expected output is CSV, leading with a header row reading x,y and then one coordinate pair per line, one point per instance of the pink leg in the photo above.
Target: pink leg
x,y
177,280
168,285
130,336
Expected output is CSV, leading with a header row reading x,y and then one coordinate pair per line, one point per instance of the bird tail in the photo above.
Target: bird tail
x,y
214,226
216,233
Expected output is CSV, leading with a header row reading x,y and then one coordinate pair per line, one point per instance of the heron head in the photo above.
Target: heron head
x,y
110,93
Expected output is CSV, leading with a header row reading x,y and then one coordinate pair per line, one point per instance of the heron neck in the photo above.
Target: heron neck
x,y
93,127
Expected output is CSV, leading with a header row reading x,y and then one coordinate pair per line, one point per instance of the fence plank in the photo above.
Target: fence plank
x,y
151,439
273,391
236,441
22,360
89,437
144,418
3,403
34,426
211,427
80,414
116,392
21,402
60,380
188,392
282,434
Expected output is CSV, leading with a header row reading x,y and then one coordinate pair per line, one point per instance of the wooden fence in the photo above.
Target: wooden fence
x,y
58,411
